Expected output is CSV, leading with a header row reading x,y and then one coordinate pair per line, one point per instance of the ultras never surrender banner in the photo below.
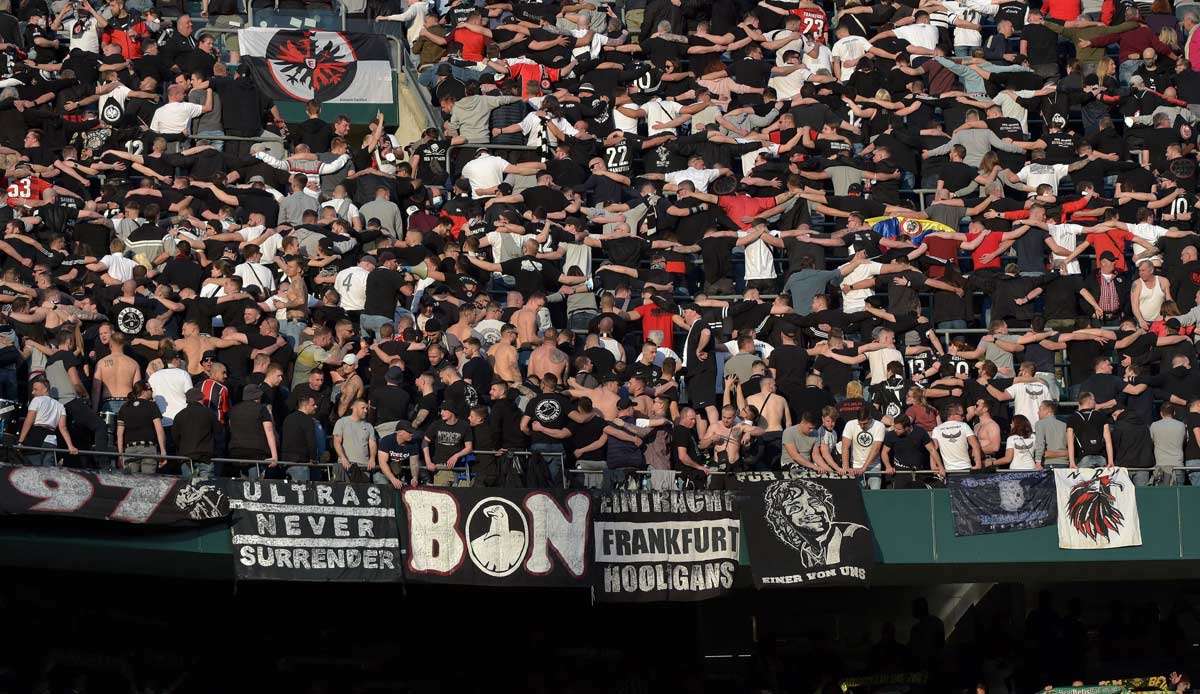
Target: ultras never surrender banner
x,y
497,537
113,496
328,66
667,545
318,531
997,502
806,531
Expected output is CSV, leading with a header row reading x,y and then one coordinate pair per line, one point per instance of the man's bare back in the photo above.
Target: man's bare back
x,y
770,406
504,362
525,321
117,373
548,359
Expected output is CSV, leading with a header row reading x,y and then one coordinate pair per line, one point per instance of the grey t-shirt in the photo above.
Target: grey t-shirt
x,y
1003,360
806,284
803,444
356,438
1168,436
206,122
1050,433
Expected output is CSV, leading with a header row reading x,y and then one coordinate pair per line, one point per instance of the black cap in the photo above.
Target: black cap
x,y
444,70
394,375
385,256
854,188
405,425
195,395
252,392
1108,255
624,404
210,355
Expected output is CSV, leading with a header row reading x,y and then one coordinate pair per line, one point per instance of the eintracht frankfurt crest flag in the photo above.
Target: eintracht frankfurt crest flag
x,y
1097,509
328,66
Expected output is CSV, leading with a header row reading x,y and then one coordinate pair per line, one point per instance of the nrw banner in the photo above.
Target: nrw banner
x,y
328,66
667,545
140,499
806,532
497,537
318,531
1097,509
1002,501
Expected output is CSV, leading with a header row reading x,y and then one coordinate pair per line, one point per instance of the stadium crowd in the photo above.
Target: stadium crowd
x,y
682,238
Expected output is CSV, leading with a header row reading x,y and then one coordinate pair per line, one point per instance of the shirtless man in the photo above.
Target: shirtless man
x,y
352,384
724,436
115,376
465,325
548,358
775,417
604,398
194,345
643,402
503,356
987,430
527,322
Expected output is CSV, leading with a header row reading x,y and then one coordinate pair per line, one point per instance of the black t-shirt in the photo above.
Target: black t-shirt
x,y
246,435
685,438
382,292
461,396
1087,426
550,409
908,452
138,417
1191,450
390,403
531,275
447,439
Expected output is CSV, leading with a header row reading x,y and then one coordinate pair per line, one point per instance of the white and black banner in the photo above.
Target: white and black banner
x,y
111,496
670,545
805,531
497,537
1097,509
317,531
327,66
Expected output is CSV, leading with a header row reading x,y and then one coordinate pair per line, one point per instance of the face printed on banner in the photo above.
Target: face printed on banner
x,y
801,514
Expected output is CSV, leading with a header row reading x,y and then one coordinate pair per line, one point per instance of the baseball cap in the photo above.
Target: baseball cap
x,y
444,70
587,87
256,179
395,374
854,188
405,425
350,359
385,256
195,395
370,259
210,355
624,404
252,392
1108,255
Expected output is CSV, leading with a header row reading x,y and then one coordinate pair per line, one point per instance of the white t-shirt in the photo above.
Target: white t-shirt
x,y
485,171
505,245
257,275
660,111
760,261
83,34
953,445
923,35
861,440
119,267
878,361
343,207
112,104
1027,397
823,60
1035,174
855,300
849,51
1022,449
1148,232
351,283
700,177
532,127
788,86
170,388
1065,236
47,411
173,118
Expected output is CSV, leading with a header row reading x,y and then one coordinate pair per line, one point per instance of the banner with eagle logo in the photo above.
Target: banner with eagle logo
x,y
328,66
1097,509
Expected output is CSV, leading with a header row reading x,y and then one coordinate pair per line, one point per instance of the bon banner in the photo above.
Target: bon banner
x,y
322,531
112,496
805,531
669,545
496,537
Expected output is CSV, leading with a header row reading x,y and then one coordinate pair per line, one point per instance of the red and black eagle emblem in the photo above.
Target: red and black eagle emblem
x,y
1092,507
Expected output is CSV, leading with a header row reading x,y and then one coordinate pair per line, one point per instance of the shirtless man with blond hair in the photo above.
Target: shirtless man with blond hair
x,y
771,406
115,376
526,321
194,345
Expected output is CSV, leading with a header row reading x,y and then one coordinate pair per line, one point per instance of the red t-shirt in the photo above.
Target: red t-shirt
x,y
1113,241
30,188
945,249
525,73
989,245
472,43
739,206
654,318
813,22
1062,10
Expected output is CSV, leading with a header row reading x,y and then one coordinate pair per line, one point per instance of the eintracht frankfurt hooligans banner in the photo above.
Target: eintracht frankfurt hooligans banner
x,y
496,537
665,545
806,532
1097,509
113,496
322,531
328,66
